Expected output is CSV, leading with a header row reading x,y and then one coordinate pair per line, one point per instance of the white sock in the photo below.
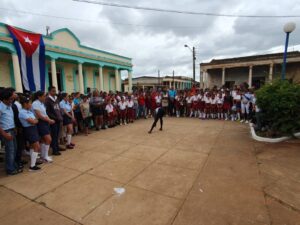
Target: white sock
x,y
69,137
76,129
238,116
46,149
43,154
33,157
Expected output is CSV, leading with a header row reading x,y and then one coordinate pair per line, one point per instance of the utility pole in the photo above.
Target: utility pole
x,y
194,65
173,79
158,80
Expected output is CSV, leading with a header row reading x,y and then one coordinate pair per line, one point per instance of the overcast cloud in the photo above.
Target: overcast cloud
x,y
156,40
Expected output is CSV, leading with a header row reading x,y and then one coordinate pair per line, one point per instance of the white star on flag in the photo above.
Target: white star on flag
x,y
27,40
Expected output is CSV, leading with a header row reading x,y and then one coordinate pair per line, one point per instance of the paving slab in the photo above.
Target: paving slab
x,y
216,209
143,152
287,191
120,169
79,197
167,180
281,214
35,184
183,159
10,201
85,160
34,213
135,206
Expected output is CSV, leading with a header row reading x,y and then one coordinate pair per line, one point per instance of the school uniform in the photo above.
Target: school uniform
x,y
43,126
122,107
110,109
31,132
7,124
65,105
130,111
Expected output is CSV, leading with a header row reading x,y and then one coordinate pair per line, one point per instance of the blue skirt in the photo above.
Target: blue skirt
x,y
43,128
31,134
67,120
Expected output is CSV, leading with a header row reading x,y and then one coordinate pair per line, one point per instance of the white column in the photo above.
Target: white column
x,y
271,72
53,73
101,86
223,76
250,76
17,73
80,76
130,81
201,79
117,78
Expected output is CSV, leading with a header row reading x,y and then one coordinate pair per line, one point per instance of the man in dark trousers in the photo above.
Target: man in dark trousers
x,y
54,113
159,114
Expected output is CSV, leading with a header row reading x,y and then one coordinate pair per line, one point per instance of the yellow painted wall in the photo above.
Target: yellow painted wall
x,y
5,80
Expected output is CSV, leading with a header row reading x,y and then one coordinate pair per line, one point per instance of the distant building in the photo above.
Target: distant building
x,y
255,70
180,82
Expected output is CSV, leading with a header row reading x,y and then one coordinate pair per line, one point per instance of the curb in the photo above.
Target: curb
x,y
269,140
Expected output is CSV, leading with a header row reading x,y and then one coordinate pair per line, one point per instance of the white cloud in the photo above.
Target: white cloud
x,y
160,44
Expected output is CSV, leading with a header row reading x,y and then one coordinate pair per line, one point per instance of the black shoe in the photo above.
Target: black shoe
x,y
20,166
35,168
24,162
149,132
38,162
160,129
56,153
12,173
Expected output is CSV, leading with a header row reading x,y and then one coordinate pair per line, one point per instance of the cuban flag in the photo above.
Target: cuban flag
x,y
31,54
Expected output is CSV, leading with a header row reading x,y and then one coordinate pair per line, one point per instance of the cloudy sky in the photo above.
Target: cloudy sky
x,y
155,40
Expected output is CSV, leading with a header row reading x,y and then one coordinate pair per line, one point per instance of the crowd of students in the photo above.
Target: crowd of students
x,y
42,120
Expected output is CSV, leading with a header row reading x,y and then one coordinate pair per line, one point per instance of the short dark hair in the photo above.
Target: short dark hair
x,y
24,100
7,93
50,88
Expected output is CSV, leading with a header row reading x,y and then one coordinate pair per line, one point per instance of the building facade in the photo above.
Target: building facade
x,y
255,70
147,82
70,66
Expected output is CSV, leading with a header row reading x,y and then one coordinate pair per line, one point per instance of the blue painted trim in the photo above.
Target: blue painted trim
x,y
95,75
11,74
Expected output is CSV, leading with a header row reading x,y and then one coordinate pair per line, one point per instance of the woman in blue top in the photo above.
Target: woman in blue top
x,y
43,124
29,123
68,118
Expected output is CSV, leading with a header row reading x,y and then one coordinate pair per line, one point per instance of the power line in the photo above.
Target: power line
x,y
95,21
184,12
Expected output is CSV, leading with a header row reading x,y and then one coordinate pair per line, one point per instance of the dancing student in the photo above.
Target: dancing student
x,y
96,104
31,134
201,105
237,103
43,125
68,118
159,113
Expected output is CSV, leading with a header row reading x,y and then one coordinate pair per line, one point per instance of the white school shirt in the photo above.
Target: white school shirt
x,y
130,104
194,98
158,99
206,99
213,101
109,108
219,100
237,97
189,100
199,97
122,105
